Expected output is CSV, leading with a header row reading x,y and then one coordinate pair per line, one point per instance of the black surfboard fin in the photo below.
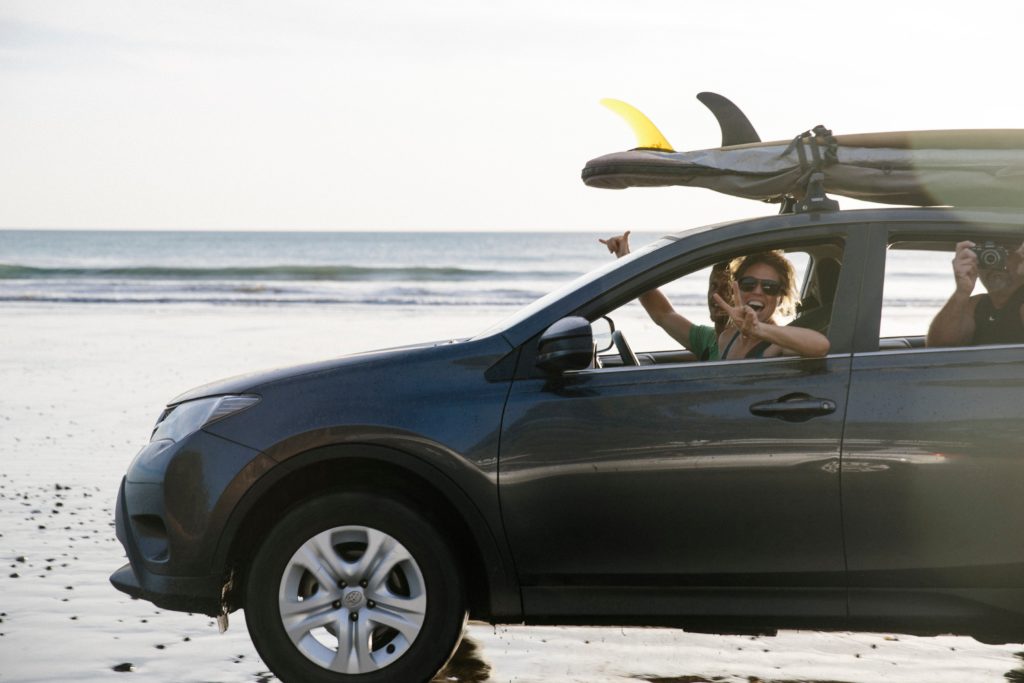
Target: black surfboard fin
x,y
736,127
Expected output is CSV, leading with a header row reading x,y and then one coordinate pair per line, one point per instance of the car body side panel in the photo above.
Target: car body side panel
x,y
654,490
933,464
933,470
647,476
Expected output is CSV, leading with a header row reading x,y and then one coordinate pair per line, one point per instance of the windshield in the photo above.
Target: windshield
x,y
582,281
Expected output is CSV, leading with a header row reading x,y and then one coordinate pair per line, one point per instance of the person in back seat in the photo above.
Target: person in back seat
x,y
996,317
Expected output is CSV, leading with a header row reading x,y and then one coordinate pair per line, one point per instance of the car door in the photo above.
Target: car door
x,y
677,489
933,465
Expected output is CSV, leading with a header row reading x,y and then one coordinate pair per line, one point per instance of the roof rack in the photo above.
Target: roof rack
x,y
824,151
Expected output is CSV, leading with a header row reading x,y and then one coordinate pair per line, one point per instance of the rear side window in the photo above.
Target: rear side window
x,y
918,281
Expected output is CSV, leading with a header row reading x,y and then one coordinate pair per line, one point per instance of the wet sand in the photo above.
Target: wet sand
x,y
81,388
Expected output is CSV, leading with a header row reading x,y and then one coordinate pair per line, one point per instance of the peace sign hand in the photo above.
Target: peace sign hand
x,y
743,317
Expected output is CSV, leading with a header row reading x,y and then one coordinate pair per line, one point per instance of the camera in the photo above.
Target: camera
x,y
991,256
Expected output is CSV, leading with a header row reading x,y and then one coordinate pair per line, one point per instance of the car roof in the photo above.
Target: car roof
x,y
913,214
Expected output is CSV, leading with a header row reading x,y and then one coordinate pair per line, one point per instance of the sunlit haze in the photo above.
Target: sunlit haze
x,y
452,115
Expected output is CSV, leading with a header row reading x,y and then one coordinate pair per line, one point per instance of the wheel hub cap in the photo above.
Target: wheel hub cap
x,y
352,599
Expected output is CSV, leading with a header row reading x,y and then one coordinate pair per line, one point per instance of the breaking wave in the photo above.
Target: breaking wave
x,y
340,273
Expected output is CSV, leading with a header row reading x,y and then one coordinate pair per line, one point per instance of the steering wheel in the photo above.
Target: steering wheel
x,y
626,353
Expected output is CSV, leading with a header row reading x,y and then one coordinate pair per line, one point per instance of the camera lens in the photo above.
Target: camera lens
x,y
989,257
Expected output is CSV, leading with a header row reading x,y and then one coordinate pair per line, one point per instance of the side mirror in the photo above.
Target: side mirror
x,y
566,345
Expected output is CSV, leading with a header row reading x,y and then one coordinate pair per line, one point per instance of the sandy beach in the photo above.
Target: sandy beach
x,y
82,385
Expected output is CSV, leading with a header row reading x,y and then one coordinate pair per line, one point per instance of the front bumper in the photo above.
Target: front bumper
x,y
178,593
172,511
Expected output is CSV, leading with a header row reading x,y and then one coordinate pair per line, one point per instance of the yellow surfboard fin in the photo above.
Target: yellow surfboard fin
x,y
647,134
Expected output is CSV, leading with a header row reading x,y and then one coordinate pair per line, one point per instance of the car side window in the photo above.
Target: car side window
x,y
919,307
817,272
689,297
918,280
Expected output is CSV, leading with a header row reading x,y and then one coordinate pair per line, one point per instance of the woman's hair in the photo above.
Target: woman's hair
x,y
788,298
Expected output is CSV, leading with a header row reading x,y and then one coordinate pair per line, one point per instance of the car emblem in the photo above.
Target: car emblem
x,y
353,600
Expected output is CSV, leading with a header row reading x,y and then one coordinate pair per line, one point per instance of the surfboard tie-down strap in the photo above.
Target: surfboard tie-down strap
x,y
812,179
817,138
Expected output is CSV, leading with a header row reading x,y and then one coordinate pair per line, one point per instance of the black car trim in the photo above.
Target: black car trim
x,y
683,604
505,369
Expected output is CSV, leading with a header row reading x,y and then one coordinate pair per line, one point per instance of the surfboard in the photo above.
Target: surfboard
x,y
975,168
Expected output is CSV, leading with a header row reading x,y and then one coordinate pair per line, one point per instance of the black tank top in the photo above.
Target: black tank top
x,y
756,352
999,325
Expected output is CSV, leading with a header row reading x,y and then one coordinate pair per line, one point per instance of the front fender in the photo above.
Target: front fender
x,y
467,489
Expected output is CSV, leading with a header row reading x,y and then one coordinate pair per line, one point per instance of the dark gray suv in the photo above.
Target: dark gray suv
x,y
359,509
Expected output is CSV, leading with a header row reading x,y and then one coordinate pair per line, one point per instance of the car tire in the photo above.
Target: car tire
x,y
395,611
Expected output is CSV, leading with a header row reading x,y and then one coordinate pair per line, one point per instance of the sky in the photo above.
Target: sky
x,y
449,114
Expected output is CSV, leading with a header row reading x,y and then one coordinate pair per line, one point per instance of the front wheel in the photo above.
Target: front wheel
x,y
354,587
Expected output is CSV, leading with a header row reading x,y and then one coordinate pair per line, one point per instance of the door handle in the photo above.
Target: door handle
x,y
794,407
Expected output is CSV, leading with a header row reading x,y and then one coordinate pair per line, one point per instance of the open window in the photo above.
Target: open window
x,y
817,268
919,281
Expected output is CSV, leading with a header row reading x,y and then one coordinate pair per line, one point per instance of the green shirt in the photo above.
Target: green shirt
x,y
704,342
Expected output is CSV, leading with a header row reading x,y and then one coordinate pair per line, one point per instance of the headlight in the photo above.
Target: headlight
x,y
185,418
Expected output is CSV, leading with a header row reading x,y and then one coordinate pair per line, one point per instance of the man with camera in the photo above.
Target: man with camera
x,y
996,317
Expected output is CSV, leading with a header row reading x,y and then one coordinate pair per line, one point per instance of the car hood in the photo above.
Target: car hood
x,y
241,384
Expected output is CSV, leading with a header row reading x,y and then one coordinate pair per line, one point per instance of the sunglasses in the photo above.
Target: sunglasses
x,y
769,287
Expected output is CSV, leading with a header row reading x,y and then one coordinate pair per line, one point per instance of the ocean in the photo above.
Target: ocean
x,y
282,268
494,273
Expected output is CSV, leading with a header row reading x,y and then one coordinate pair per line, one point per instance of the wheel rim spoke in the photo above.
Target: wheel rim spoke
x,y
353,655
408,626
318,556
299,627
389,557
414,606
361,646
376,542
308,606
